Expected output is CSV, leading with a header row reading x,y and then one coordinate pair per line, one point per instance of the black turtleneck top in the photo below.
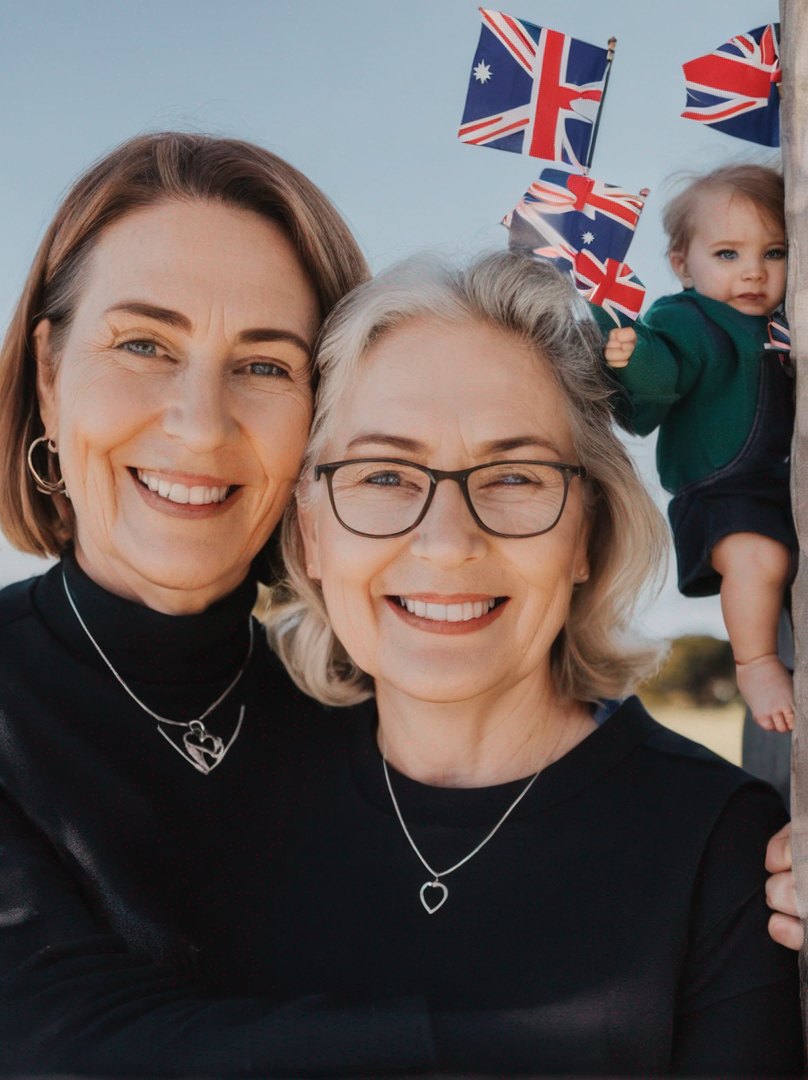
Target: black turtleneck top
x,y
113,848
154,920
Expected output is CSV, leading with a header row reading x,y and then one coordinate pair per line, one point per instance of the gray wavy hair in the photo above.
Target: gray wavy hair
x,y
594,656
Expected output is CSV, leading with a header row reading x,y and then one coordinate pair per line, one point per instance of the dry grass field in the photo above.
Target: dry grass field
x,y
717,728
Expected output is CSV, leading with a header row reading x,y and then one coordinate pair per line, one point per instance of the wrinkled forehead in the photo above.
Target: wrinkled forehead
x,y
468,380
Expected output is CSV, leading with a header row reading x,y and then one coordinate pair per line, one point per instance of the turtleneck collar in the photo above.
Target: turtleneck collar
x,y
145,645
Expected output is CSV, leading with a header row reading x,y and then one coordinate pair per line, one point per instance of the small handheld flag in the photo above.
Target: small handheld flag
x,y
611,285
779,333
565,210
533,91
584,227
735,87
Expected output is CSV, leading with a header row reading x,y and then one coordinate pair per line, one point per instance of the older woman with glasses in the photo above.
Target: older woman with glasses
x,y
501,827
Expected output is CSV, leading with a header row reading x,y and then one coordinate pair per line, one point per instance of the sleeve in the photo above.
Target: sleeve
x,y
739,999
74,1000
665,366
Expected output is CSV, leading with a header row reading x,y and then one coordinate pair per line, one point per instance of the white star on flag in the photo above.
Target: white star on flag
x,y
587,237
482,73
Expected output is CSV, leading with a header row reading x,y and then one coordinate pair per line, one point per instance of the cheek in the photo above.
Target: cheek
x,y
95,423
103,408
349,571
280,432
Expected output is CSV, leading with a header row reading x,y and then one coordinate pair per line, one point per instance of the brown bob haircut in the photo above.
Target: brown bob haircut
x,y
759,184
143,171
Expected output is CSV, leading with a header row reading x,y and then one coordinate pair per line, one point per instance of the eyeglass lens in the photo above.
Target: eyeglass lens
x,y
381,498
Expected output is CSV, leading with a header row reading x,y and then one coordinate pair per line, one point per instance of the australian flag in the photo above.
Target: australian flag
x,y
735,87
584,227
533,91
570,212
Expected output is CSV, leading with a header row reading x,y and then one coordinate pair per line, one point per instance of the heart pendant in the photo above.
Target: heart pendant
x,y
433,885
204,750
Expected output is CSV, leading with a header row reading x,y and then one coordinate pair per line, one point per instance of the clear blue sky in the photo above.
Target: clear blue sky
x,y
365,97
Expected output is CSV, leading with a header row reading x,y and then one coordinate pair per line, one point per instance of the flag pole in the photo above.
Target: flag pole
x,y
611,44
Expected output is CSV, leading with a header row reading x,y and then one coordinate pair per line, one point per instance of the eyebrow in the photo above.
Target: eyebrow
x,y
253,336
486,449
739,240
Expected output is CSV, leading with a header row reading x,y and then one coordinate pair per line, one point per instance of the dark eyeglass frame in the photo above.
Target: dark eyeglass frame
x,y
460,476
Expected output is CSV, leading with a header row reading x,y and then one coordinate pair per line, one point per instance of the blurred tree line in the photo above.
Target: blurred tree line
x,y
699,671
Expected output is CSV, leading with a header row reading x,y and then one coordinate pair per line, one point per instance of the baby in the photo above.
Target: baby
x,y
696,368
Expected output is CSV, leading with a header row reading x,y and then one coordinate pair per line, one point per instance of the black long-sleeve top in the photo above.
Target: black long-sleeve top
x,y
111,845
615,924
154,920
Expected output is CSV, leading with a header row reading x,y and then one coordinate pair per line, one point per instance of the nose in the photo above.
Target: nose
x,y
198,410
448,536
753,269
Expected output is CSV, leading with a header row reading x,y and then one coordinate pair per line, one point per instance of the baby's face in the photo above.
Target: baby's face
x,y
735,255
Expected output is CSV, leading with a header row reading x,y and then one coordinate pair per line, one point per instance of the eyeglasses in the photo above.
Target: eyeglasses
x,y
385,497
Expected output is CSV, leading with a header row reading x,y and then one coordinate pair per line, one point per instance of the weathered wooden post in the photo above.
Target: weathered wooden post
x,y
794,138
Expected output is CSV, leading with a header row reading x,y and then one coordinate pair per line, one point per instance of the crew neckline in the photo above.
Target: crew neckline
x,y
600,751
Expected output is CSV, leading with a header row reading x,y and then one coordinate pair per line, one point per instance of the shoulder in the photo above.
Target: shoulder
x,y
676,314
695,778
702,809
16,602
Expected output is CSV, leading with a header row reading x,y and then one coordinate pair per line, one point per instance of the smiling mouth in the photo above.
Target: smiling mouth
x,y
172,491
457,613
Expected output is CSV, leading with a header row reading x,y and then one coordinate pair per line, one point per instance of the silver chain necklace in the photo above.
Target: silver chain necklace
x,y
200,747
436,883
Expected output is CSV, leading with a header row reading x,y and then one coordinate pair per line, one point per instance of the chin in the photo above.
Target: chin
x,y
442,684
187,567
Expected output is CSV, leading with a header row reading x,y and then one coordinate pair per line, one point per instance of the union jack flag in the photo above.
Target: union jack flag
x,y
533,91
570,212
779,333
611,285
735,87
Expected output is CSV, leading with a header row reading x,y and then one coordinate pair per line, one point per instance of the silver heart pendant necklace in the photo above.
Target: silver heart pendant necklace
x,y
200,747
435,893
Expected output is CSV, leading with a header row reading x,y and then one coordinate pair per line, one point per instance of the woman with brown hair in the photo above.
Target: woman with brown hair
x,y
155,400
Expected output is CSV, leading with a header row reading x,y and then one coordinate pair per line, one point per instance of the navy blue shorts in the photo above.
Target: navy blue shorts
x,y
705,512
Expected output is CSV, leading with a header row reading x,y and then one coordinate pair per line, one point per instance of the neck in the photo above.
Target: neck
x,y
167,599
479,743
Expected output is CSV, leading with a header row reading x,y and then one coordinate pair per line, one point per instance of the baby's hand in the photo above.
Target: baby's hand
x,y
620,346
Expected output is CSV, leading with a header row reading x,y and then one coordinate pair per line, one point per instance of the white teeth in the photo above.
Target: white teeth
x,y
181,493
448,612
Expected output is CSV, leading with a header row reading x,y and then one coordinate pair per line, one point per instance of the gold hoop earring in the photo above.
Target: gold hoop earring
x,y
47,487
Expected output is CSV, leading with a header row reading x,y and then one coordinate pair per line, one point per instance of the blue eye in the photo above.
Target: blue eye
x,y
384,479
140,348
267,369
726,254
775,253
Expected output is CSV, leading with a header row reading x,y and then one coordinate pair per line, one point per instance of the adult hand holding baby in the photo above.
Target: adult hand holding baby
x,y
784,925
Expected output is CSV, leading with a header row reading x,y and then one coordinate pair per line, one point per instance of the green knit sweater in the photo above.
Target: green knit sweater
x,y
683,379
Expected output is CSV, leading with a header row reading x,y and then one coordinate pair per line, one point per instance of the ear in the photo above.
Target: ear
x,y
581,566
678,261
308,519
46,378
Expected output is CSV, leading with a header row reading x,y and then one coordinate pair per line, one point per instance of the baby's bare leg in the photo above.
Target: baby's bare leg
x,y
754,571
